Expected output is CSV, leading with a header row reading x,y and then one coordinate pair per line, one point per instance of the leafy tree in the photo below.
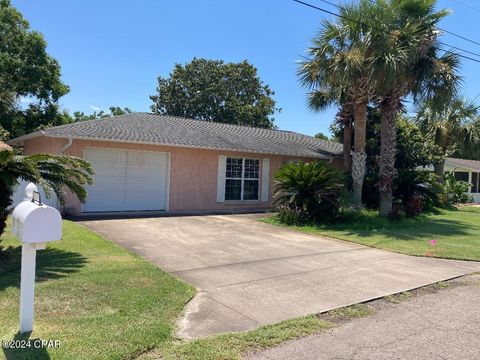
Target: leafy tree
x,y
321,136
26,71
52,172
114,111
451,126
338,68
212,90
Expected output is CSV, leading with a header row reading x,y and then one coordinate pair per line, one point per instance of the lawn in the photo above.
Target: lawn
x,y
457,233
99,300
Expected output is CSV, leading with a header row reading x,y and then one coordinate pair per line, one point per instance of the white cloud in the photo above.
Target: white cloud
x,y
94,108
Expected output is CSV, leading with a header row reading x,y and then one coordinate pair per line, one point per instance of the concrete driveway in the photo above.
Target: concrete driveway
x,y
250,274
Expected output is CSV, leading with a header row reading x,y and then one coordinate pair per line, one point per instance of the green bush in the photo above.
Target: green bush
x,y
291,216
309,190
456,190
418,190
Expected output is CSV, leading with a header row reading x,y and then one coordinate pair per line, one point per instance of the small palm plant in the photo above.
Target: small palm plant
x,y
52,172
311,189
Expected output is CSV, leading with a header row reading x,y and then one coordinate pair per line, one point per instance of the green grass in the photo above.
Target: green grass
x,y
355,311
457,233
234,346
99,300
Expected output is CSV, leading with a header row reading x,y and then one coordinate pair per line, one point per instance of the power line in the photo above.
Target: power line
x,y
460,49
460,36
439,28
466,5
361,23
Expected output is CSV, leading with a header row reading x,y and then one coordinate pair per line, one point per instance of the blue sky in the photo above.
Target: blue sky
x,y
111,52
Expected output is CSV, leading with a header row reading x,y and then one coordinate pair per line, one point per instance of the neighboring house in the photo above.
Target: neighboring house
x,y
151,162
466,170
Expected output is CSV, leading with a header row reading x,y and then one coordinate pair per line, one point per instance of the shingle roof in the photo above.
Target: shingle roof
x,y
177,131
469,164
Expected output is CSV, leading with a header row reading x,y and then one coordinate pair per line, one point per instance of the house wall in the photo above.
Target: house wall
x,y
193,172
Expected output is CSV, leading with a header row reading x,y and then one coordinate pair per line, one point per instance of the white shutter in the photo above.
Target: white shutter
x,y
222,166
265,179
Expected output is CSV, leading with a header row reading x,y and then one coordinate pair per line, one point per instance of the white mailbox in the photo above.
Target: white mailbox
x,y
34,224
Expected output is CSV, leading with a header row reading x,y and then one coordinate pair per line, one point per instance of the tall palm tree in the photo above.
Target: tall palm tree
x,y
406,61
454,124
338,62
52,172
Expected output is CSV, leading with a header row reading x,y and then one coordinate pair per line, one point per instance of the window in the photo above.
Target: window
x,y
475,182
461,175
242,179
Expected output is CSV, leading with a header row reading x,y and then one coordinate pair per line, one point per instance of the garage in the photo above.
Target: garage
x,y
127,180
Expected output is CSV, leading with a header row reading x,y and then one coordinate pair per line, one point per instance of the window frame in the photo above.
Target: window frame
x,y
242,179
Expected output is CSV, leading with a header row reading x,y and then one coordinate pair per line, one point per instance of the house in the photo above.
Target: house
x,y
466,170
151,162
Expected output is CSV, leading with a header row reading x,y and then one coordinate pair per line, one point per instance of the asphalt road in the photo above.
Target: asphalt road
x,y
442,325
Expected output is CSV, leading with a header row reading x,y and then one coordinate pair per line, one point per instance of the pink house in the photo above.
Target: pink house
x,y
146,162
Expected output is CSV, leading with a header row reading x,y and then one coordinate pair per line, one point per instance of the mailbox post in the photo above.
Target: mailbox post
x,y
34,224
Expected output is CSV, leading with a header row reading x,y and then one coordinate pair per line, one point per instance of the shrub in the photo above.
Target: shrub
x,y
456,190
417,190
290,216
310,189
414,206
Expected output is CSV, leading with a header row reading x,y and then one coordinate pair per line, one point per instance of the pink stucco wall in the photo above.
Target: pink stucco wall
x,y
193,174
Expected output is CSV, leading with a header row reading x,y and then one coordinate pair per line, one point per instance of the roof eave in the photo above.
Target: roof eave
x,y
319,156
21,139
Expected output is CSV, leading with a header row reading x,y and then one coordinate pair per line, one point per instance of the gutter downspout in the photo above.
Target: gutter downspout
x,y
62,151
66,146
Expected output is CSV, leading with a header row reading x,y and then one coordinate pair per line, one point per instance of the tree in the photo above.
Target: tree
x,y
406,60
114,111
451,126
212,90
321,136
339,63
52,172
26,71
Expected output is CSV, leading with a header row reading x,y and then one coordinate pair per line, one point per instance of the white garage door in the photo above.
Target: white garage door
x,y
127,180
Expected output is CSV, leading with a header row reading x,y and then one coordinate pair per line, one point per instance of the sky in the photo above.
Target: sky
x,y
111,52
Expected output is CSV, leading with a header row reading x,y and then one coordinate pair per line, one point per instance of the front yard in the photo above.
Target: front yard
x,y
102,302
456,233
99,300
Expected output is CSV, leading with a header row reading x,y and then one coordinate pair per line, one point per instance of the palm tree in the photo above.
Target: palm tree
x,y
52,172
456,123
406,61
338,63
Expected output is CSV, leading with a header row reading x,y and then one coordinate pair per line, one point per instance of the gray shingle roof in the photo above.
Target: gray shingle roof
x,y
469,164
177,131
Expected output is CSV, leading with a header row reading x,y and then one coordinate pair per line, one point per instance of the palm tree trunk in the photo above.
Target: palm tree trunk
x,y
347,145
439,170
359,156
388,147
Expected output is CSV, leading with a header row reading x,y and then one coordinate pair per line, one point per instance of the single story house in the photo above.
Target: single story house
x,y
145,162
466,170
